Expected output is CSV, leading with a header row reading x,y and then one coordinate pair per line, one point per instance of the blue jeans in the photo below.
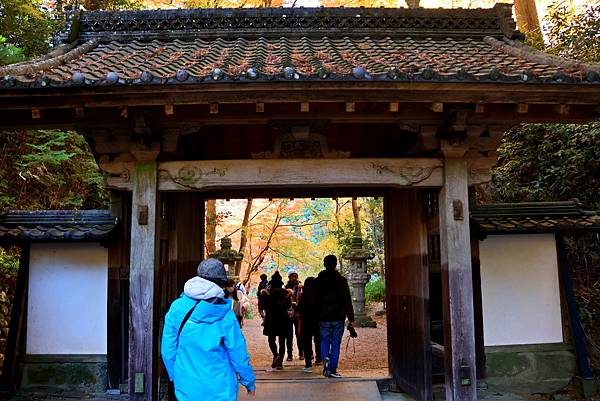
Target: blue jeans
x,y
331,339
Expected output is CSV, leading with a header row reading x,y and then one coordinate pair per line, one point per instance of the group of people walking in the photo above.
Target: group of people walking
x,y
314,313
204,350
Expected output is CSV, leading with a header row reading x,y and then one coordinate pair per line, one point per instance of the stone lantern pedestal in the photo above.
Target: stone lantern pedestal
x,y
358,278
228,256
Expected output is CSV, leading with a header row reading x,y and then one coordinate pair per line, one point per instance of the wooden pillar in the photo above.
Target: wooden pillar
x,y
141,282
457,280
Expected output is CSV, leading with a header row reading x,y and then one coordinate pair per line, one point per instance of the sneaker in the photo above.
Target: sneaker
x,y
326,371
275,360
289,358
279,364
301,357
335,375
307,369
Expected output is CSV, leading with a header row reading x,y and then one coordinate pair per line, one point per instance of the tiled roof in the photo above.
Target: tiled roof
x,y
509,218
44,225
278,45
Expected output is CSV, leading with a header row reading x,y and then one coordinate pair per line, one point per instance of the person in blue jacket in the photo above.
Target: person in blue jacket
x,y
205,354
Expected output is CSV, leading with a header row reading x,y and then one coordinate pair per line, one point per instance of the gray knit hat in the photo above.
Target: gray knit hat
x,y
213,270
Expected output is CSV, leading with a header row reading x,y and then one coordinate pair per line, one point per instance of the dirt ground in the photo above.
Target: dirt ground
x,y
364,356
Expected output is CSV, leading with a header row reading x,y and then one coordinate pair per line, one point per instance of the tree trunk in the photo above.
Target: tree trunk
x,y
527,16
356,214
211,226
244,235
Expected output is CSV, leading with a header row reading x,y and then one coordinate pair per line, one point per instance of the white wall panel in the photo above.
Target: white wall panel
x,y
67,299
520,290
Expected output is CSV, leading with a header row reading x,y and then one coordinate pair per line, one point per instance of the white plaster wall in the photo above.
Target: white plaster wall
x,y
520,291
67,299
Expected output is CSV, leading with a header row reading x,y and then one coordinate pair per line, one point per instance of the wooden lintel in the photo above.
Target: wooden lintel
x,y
437,107
522,108
214,108
240,174
169,110
124,111
350,107
563,109
394,107
36,114
79,112
304,107
260,107
479,107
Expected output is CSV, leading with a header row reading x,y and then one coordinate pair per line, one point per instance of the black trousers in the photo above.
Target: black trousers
x,y
306,340
277,351
290,337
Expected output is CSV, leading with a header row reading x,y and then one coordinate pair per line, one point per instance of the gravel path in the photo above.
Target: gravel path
x,y
365,356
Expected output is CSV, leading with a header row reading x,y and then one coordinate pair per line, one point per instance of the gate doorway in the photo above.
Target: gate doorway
x,y
408,328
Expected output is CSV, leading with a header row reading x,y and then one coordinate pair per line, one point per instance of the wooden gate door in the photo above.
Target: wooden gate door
x,y
408,293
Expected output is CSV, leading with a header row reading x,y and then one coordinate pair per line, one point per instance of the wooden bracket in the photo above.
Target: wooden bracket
x,y
479,107
79,112
437,107
394,107
522,108
36,114
124,111
169,110
350,107
304,107
214,108
260,107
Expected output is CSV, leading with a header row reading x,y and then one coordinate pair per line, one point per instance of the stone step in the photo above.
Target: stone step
x,y
315,390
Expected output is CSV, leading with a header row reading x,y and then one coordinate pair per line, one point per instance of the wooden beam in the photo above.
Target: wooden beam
x,y
143,264
260,107
214,108
350,107
437,107
79,112
274,173
304,107
457,283
522,108
36,114
394,107
169,110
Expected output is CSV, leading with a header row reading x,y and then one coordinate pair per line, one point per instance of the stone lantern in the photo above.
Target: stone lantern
x,y
358,278
228,256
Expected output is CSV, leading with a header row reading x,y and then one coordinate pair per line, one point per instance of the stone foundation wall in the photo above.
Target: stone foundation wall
x,y
539,368
8,282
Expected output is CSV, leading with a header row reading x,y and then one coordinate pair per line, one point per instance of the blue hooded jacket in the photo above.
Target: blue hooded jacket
x,y
210,353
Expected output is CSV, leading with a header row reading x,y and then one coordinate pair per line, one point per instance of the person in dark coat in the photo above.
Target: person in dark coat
x,y
295,286
334,305
277,320
261,303
309,324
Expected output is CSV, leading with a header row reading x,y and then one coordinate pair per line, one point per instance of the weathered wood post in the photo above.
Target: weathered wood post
x,y
141,282
457,281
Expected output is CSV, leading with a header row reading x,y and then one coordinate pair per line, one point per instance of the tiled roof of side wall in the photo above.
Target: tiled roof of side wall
x,y
278,45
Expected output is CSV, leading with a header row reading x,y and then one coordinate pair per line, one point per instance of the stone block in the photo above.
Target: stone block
x,y
63,374
536,368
